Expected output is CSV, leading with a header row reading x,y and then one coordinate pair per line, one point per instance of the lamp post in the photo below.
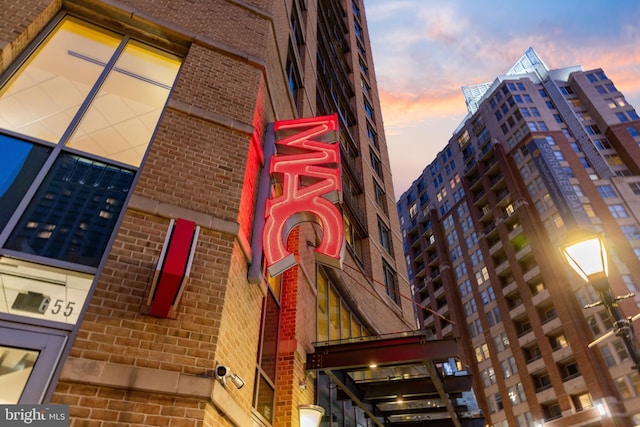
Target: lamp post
x,y
586,253
310,415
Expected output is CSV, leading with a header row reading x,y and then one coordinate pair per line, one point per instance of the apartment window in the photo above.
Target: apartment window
x,y
516,394
592,129
351,236
381,200
582,401
373,136
358,29
622,117
623,387
369,110
558,341
608,356
385,236
470,307
81,112
499,404
618,211
487,295
460,269
391,282
493,317
488,377
293,75
365,86
606,191
376,164
633,131
620,350
566,90
465,288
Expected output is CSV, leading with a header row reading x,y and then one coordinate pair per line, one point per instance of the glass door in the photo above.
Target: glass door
x,y
28,359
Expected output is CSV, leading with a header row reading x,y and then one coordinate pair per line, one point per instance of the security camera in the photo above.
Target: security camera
x,y
237,381
223,372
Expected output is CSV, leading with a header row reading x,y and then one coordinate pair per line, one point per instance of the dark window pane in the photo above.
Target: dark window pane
x,y
20,162
266,394
270,337
74,211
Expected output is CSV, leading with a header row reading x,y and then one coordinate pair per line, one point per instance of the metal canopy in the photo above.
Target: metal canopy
x,y
400,379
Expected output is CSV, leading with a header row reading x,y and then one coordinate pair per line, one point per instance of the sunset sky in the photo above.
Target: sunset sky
x,y
424,51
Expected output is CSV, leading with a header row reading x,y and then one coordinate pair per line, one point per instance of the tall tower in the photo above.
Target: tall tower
x,y
540,153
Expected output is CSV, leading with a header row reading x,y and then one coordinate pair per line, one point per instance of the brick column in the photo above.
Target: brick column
x,y
290,370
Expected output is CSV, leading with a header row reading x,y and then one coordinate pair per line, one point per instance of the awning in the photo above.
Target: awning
x,y
404,379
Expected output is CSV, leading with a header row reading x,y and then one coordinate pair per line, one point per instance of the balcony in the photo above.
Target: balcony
x,y
551,325
526,338
447,331
540,297
428,320
432,258
562,353
501,265
517,229
523,252
512,286
545,394
438,291
495,180
517,311
474,181
495,246
490,229
535,365
531,273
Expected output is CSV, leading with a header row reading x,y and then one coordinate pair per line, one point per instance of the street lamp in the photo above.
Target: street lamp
x,y
586,253
310,415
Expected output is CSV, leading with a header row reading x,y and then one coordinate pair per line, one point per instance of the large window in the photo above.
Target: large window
x,y
334,318
265,380
76,119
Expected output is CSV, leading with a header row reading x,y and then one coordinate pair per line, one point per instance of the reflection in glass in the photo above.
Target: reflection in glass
x,y
15,368
73,212
42,98
266,394
122,118
20,162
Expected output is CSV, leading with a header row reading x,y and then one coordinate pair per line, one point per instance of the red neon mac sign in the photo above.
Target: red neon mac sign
x,y
307,166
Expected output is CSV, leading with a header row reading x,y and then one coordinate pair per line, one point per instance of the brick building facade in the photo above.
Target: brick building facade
x,y
118,117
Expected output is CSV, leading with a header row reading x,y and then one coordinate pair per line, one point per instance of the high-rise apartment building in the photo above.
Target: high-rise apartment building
x,y
540,153
142,200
